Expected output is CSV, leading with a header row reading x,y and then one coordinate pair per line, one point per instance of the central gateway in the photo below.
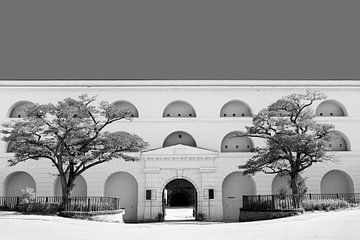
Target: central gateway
x,y
179,200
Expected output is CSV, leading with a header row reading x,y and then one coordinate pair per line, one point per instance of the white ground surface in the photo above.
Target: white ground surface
x,y
181,213
322,225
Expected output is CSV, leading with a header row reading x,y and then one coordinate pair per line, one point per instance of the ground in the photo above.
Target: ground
x,y
319,225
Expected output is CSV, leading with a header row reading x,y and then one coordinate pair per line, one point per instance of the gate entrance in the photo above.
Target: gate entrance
x,y
179,200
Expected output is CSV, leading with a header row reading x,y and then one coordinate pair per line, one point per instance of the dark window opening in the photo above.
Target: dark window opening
x,y
331,114
168,115
243,114
226,146
234,114
180,136
179,115
321,114
211,193
148,194
190,114
237,146
224,114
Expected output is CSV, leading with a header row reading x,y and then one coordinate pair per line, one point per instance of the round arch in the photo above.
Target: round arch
x,y
281,184
125,105
331,108
236,108
123,185
234,186
179,109
180,194
338,142
336,181
18,181
19,109
232,143
179,137
79,189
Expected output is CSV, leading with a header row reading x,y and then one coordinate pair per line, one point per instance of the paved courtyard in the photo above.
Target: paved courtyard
x,y
320,225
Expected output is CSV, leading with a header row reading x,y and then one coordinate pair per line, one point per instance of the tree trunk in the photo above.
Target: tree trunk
x,y
293,183
295,189
65,190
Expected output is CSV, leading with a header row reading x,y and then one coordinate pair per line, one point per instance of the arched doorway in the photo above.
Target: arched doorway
x,y
18,181
336,181
234,186
281,184
124,186
79,189
179,200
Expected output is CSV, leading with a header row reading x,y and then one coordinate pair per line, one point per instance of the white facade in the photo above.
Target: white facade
x,y
207,110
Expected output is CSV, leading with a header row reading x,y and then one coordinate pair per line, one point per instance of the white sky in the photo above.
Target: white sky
x,y
187,39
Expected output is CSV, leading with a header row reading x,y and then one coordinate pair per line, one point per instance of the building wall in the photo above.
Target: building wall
x,y
208,129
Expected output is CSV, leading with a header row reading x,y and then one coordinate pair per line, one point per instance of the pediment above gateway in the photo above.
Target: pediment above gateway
x,y
179,150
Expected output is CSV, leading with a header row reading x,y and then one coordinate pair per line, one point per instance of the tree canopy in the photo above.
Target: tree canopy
x,y
294,140
72,135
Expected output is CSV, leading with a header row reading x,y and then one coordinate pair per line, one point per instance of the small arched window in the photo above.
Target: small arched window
x,y
127,106
179,137
234,142
235,108
330,108
338,142
179,109
20,110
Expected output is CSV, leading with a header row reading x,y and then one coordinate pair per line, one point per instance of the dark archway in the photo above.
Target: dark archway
x,y
179,200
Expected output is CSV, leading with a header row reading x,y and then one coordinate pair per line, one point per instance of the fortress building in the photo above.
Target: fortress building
x,y
192,158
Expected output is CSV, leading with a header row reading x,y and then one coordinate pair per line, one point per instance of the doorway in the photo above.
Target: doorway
x,y
179,201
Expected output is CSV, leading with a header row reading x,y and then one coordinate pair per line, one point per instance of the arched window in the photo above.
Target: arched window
x,y
179,109
330,108
235,108
179,137
20,109
338,142
127,106
234,142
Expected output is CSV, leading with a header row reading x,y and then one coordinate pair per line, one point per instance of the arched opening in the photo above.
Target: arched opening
x,y
124,186
179,200
235,108
281,184
79,189
179,109
20,109
234,186
18,181
234,142
336,181
330,108
127,106
338,142
179,137
10,147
